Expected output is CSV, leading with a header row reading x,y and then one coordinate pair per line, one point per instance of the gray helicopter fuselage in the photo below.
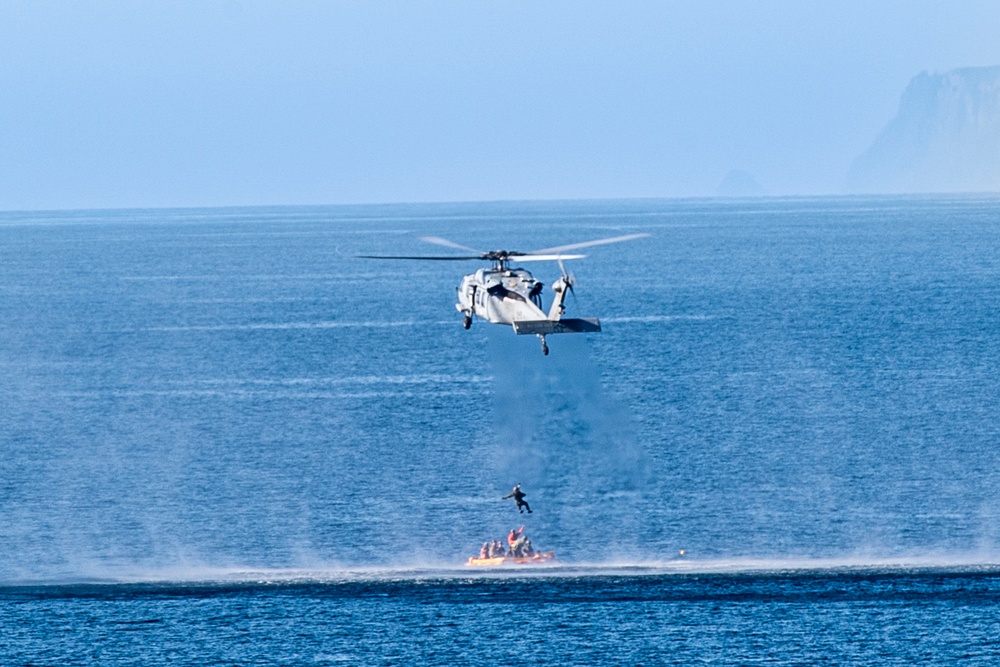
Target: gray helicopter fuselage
x,y
512,296
501,295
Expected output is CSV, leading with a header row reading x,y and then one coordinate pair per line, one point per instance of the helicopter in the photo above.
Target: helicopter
x,y
509,295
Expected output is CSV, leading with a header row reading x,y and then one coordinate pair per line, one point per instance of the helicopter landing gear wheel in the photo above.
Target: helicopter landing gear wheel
x,y
467,321
545,347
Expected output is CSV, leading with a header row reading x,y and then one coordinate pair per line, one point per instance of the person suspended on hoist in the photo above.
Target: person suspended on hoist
x,y
518,497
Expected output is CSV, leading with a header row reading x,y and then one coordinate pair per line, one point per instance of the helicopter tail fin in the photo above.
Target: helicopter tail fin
x,y
569,325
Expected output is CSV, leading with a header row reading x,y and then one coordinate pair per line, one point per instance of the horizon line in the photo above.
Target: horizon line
x,y
553,200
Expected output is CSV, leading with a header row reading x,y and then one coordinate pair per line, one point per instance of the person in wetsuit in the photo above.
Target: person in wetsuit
x,y
518,497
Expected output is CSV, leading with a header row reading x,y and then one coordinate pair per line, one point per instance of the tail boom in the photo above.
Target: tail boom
x,y
568,325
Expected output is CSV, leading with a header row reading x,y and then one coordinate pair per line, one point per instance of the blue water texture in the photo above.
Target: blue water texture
x,y
226,440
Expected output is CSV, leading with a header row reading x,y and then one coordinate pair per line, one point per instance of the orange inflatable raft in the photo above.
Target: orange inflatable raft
x,y
536,558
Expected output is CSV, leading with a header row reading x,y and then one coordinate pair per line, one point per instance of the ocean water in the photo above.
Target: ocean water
x,y
227,440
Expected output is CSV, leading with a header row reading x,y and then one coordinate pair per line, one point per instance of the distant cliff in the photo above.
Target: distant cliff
x,y
945,138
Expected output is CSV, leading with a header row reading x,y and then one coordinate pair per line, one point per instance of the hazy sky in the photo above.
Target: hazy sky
x,y
144,103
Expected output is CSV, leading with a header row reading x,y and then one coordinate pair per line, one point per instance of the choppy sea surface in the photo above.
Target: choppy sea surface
x,y
226,440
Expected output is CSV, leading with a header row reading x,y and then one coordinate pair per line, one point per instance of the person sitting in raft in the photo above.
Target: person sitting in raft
x,y
496,549
512,537
527,550
517,546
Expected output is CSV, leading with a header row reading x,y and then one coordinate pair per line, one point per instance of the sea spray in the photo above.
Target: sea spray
x,y
561,434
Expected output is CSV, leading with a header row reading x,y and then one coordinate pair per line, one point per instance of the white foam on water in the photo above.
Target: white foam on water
x,y
336,573
655,319
282,326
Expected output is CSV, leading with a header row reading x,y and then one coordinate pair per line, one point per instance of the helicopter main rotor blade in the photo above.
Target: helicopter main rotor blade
x,y
518,257
421,257
587,244
448,244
